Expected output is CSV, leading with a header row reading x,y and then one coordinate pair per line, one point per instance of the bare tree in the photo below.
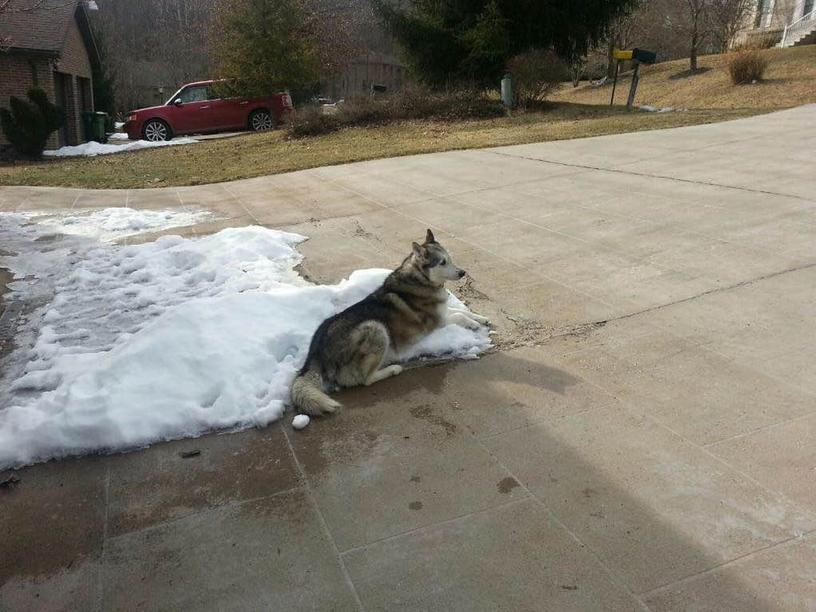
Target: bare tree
x,y
647,26
694,19
728,18
153,44
622,32
577,67
674,29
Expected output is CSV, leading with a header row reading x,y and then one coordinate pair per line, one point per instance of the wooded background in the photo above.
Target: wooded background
x,y
151,47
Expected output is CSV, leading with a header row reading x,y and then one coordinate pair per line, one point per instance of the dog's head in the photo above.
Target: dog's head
x,y
435,261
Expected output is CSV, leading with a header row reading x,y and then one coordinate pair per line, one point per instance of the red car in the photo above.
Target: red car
x,y
197,108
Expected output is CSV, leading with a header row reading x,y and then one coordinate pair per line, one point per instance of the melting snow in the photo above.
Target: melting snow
x,y
131,344
109,224
93,148
646,108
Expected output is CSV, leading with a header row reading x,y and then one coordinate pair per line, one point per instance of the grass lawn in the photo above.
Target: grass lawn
x,y
790,80
575,113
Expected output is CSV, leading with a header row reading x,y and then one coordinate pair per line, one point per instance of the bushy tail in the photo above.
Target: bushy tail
x,y
308,397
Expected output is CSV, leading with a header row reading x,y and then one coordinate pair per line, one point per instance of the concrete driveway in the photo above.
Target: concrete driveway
x,y
644,435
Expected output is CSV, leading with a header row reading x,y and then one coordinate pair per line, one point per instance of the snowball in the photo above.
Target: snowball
x,y
300,421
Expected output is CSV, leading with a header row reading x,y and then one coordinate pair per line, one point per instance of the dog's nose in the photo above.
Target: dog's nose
x,y
462,273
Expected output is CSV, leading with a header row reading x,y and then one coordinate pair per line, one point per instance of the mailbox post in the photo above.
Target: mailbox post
x,y
620,55
638,57
633,88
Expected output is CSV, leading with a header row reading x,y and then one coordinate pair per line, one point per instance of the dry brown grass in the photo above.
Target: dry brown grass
x,y
789,80
273,153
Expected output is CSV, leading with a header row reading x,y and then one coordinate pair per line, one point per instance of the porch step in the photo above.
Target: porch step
x,y
808,38
801,33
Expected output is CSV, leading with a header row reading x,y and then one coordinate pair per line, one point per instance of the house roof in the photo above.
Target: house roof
x,y
38,25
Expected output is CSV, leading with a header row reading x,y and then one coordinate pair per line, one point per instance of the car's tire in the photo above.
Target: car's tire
x,y
155,130
261,120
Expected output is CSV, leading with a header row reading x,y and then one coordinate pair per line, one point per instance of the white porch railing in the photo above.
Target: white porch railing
x,y
805,23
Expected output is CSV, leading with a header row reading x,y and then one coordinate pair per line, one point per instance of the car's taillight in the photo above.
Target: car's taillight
x,y
131,117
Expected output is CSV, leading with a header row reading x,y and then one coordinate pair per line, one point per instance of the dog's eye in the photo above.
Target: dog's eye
x,y
442,262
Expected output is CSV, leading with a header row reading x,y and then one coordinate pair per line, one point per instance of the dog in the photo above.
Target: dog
x,y
354,347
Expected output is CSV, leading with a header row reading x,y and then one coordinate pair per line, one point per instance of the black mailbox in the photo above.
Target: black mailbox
x,y
644,56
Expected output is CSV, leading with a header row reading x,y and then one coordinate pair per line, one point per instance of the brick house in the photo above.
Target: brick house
x,y
50,45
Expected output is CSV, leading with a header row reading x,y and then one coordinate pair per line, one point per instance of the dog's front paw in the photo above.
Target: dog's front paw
x,y
479,318
472,325
465,320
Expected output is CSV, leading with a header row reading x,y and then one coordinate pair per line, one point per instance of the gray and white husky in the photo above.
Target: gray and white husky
x,y
355,346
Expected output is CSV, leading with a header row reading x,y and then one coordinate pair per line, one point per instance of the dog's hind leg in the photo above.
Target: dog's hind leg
x,y
373,346
386,372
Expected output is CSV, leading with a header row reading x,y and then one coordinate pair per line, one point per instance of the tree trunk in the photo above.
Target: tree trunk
x,y
610,59
693,52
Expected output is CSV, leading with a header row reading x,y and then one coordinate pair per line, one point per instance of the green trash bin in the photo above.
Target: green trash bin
x,y
98,131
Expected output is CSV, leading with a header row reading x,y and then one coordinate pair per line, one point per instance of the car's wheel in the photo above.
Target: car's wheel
x,y
261,120
155,130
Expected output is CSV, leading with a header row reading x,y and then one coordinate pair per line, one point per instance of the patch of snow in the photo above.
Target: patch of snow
x,y
654,109
300,421
110,224
118,136
93,148
119,125
165,339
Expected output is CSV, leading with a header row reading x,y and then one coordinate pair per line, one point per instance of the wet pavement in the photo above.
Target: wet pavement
x,y
642,437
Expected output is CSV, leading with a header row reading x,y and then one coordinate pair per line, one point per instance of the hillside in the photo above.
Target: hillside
x,y
789,81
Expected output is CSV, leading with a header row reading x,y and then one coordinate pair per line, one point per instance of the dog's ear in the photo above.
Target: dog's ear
x,y
419,252
429,237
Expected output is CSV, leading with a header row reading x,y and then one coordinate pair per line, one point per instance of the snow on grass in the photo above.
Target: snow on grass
x,y
165,339
93,148
647,108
